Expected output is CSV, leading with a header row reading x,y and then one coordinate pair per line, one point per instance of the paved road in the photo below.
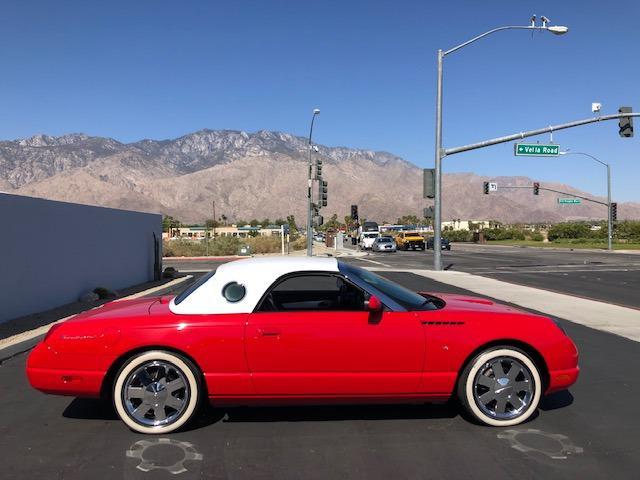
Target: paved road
x,y
591,432
614,278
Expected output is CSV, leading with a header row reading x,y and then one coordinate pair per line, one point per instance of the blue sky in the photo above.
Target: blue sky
x,y
160,69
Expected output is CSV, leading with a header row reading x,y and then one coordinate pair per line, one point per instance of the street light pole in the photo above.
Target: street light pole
x,y
440,153
310,189
609,217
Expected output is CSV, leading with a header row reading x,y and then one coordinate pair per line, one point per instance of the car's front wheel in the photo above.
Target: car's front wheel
x,y
156,392
500,387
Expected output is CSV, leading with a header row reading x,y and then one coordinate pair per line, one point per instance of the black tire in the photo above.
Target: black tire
x,y
186,401
469,384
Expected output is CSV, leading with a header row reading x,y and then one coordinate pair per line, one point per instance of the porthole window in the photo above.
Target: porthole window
x,y
233,292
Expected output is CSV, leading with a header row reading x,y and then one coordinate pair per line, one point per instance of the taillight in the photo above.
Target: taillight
x,y
53,328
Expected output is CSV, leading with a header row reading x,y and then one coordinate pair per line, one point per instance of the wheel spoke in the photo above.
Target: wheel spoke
x,y
144,377
135,392
159,413
141,410
522,386
498,369
485,398
174,402
176,384
516,402
486,381
514,371
501,404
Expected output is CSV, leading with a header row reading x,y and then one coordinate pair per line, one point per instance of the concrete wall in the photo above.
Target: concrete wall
x,y
52,252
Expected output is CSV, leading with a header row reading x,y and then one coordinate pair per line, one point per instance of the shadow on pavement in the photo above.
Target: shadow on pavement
x,y
556,400
96,409
340,412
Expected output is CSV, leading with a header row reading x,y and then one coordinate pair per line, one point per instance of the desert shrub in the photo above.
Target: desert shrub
x,y
263,244
458,235
537,237
569,230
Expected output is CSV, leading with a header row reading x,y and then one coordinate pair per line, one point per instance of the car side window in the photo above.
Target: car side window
x,y
313,292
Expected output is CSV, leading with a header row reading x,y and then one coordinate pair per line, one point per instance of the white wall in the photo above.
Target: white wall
x,y
52,252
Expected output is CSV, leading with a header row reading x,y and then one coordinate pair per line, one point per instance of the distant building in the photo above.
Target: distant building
x,y
471,225
198,232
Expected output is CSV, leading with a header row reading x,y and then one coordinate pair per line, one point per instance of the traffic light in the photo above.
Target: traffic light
x,y
354,212
323,193
318,168
614,212
536,188
625,123
318,220
427,212
486,188
428,182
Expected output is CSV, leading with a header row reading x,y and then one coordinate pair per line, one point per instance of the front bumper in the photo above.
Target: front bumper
x,y
562,379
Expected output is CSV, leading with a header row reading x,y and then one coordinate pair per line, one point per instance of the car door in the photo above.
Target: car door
x,y
311,336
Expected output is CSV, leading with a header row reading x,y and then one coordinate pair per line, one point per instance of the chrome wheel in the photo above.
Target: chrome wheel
x,y
156,393
503,388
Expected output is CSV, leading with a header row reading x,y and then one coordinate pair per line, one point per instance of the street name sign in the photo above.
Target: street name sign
x,y
570,201
493,187
536,150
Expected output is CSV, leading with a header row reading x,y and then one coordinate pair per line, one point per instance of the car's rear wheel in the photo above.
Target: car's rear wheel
x,y
156,392
500,387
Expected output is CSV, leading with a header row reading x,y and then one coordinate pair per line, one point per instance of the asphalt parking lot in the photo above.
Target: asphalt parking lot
x,y
589,432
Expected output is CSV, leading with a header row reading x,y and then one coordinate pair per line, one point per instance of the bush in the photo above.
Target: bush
x,y
458,235
569,230
537,237
503,234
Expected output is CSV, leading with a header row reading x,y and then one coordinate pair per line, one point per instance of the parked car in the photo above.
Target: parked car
x,y
444,244
303,330
384,244
410,241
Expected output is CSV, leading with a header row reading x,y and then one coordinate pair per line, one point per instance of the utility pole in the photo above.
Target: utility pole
x,y
310,189
440,152
213,203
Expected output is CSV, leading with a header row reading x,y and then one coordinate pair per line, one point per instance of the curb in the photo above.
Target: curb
x,y
25,341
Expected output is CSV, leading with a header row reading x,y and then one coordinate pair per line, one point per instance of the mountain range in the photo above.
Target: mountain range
x,y
258,175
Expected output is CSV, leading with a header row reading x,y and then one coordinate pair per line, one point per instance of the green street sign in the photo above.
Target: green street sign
x,y
536,150
570,201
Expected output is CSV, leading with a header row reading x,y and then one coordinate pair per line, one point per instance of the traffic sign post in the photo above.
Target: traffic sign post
x,y
569,201
535,150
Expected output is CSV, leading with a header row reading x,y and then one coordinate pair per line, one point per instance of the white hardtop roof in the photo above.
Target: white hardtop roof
x,y
255,274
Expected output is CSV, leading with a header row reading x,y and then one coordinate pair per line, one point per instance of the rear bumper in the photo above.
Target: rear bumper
x,y
44,376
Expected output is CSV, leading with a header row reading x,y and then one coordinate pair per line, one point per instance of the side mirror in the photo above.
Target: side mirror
x,y
373,304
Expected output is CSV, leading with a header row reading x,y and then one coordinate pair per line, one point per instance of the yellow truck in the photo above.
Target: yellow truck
x,y
410,241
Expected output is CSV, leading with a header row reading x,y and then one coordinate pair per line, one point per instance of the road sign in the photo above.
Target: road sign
x,y
493,187
570,201
536,150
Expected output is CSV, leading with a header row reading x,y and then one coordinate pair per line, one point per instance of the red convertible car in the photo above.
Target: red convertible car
x,y
303,330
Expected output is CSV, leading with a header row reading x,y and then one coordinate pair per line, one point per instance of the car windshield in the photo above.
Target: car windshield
x,y
370,235
403,296
193,287
384,240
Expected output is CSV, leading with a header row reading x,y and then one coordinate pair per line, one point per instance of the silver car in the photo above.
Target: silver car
x,y
384,244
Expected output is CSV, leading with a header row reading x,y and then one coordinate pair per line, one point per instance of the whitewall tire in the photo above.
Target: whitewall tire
x,y
156,392
500,387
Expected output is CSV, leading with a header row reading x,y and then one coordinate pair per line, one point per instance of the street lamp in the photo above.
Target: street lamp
x,y
437,214
609,217
316,111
